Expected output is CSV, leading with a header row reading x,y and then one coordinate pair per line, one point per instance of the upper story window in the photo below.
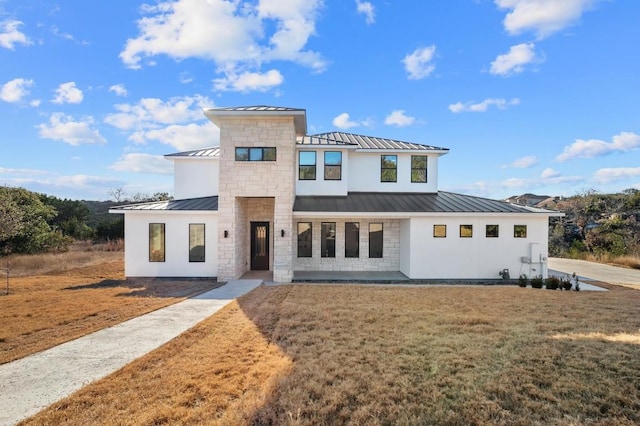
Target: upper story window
x,y
256,154
419,168
332,165
307,165
388,168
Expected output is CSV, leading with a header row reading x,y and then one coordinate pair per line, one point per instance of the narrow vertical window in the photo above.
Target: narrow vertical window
x,y
328,242
419,168
520,231
196,242
375,240
156,242
388,168
466,231
304,239
352,239
492,231
332,165
307,165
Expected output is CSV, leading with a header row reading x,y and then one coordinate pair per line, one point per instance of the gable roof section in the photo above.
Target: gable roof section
x,y
381,202
364,142
213,152
191,204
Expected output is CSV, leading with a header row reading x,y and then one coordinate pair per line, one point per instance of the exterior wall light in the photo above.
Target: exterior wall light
x,y
226,233
282,232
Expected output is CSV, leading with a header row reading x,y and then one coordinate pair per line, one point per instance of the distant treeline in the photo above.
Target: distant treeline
x,y
597,224
34,223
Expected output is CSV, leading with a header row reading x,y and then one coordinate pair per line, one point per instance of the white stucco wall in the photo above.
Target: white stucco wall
x,y
405,246
477,257
176,264
320,186
364,173
195,177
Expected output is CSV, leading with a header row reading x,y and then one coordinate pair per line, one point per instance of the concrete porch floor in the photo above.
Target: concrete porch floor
x,y
353,276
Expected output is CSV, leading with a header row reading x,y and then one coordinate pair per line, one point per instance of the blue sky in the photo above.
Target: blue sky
x,y
529,95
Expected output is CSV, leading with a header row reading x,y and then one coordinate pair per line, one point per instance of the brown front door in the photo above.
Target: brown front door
x,y
259,246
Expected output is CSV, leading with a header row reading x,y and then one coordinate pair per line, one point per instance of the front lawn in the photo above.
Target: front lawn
x,y
305,354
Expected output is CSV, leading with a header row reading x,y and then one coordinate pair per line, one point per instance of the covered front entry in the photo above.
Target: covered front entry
x,y
259,246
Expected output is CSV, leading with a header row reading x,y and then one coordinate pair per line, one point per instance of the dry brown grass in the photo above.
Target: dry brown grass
x,y
46,310
632,262
319,355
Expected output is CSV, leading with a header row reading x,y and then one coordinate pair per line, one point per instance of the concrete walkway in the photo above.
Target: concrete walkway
x,y
596,271
32,383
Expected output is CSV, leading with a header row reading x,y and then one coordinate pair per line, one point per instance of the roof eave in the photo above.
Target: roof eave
x,y
299,116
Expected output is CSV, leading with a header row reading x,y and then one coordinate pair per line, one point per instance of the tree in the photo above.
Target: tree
x,y
25,223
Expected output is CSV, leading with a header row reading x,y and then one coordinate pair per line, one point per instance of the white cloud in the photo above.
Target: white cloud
x,y
418,64
11,35
237,36
343,121
15,90
181,137
524,162
616,173
399,118
64,128
366,8
544,17
249,81
143,163
624,142
68,93
549,173
151,113
483,106
6,171
35,103
514,61
118,89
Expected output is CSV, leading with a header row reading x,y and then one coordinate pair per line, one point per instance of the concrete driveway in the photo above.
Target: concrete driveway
x,y
597,271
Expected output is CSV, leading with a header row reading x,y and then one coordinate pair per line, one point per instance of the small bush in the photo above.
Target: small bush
x,y
537,282
552,283
523,281
565,283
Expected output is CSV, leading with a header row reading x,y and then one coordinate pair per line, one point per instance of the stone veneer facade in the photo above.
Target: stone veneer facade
x,y
256,191
390,260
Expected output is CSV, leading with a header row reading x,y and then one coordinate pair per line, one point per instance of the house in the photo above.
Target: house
x,y
273,198
527,199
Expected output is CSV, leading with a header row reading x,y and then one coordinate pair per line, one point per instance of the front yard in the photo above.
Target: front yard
x,y
307,354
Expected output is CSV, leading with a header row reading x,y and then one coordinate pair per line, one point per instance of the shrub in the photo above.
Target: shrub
x,y
537,282
552,283
522,280
565,283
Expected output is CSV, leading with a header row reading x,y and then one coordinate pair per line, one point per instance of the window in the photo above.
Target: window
x,y
304,239
196,242
439,231
520,231
492,231
352,239
307,165
156,242
388,168
328,242
375,240
256,154
466,231
419,168
332,165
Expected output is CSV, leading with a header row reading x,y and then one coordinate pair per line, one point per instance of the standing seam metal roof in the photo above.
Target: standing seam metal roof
x,y
204,152
258,108
363,142
380,202
194,204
